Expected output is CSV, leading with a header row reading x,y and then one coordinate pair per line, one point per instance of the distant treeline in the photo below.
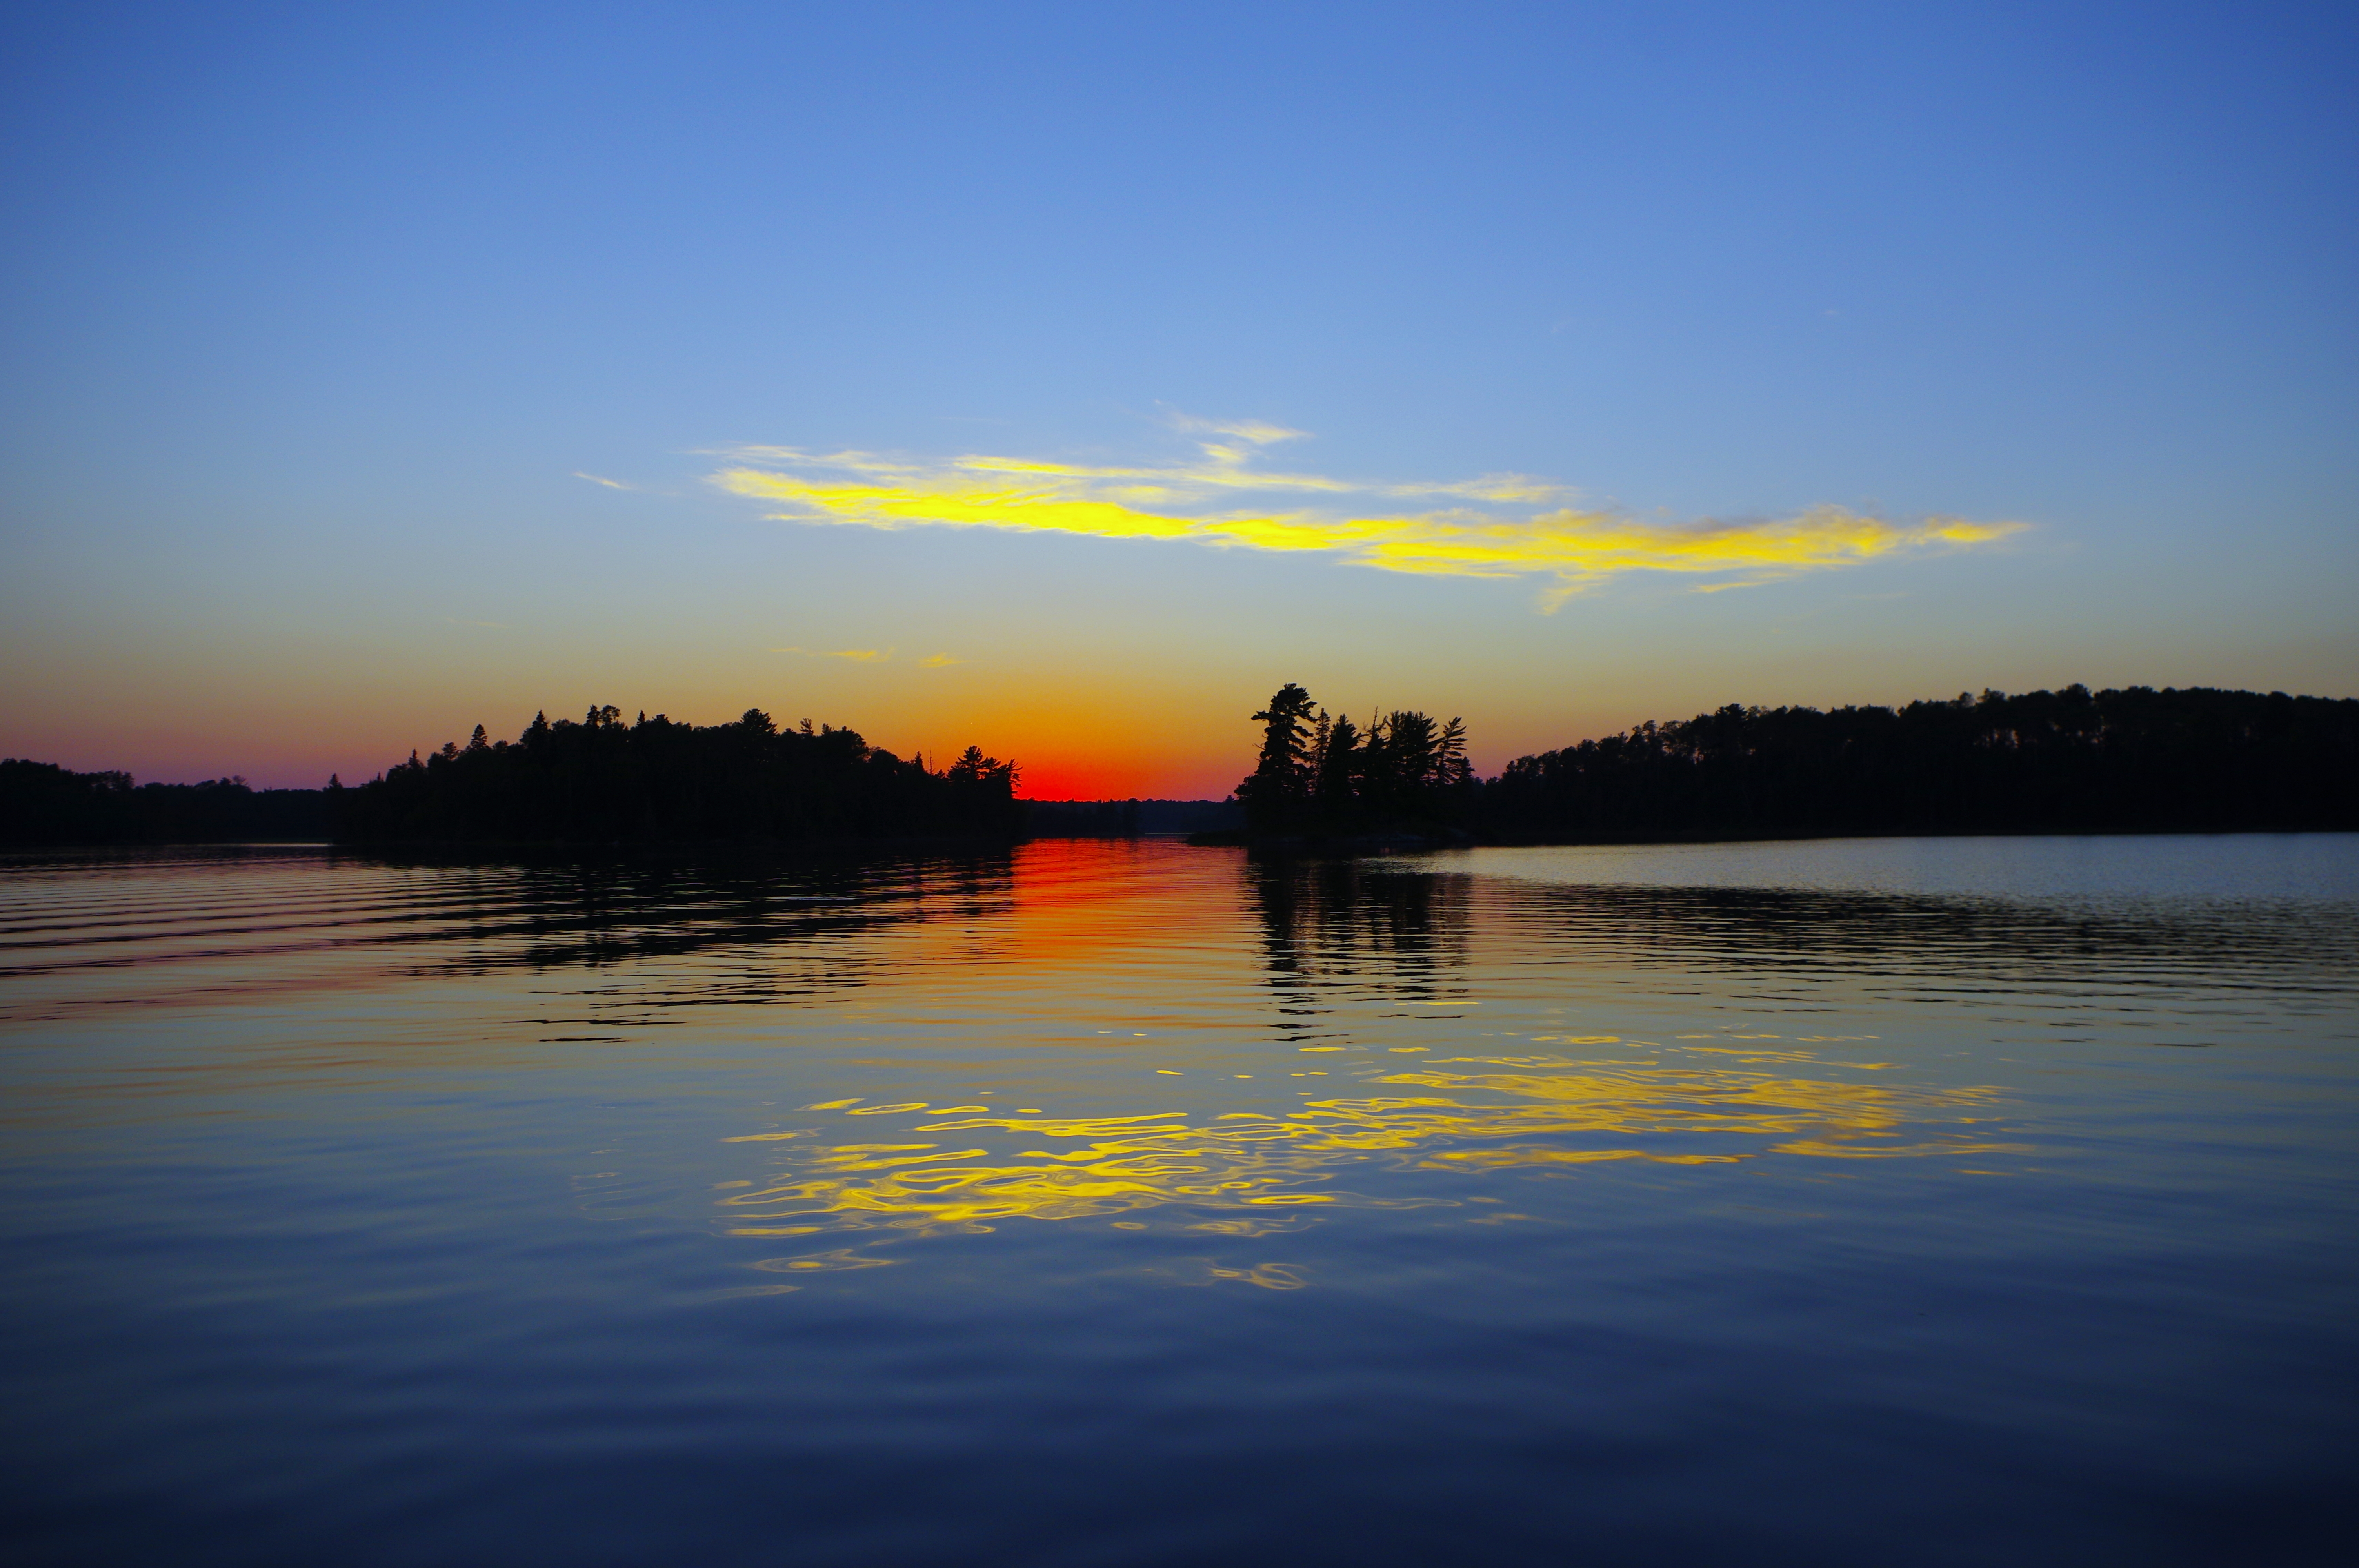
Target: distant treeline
x,y
606,781
2135,759
1127,818
2131,761
42,803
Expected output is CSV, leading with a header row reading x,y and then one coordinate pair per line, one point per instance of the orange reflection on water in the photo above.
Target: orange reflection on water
x,y
1545,1114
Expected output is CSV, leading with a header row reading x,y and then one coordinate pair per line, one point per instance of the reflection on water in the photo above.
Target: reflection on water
x,y
181,926
1352,923
1834,1204
1675,1107
1395,934
2309,868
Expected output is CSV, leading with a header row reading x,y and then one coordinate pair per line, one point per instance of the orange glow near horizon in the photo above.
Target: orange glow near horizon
x,y
1083,778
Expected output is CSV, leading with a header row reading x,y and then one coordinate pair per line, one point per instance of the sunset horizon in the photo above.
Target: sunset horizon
x,y
1139,785
371,382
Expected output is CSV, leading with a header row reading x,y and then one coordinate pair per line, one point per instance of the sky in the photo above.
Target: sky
x,y
1063,379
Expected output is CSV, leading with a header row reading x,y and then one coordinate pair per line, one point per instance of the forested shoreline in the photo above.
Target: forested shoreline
x,y
42,803
600,781
2130,760
1126,819
656,780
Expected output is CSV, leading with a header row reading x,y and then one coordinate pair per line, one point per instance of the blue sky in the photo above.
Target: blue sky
x,y
313,316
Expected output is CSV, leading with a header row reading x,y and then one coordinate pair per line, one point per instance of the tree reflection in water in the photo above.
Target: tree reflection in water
x,y
1349,949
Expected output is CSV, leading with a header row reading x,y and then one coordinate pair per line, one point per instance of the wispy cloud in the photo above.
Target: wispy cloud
x,y
938,661
1259,432
857,656
609,483
1498,525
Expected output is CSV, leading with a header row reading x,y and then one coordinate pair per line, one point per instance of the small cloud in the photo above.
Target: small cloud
x,y
937,660
858,655
1259,432
609,483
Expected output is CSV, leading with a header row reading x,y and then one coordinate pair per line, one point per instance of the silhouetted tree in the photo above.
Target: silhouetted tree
x,y
1338,767
1275,794
605,779
1322,776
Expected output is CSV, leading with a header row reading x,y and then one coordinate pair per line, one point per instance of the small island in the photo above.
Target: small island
x,y
604,781
599,782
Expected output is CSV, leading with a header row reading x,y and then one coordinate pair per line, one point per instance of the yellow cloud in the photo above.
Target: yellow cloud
x,y
938,661
1500,525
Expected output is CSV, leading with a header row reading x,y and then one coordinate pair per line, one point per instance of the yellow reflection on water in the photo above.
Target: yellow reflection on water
x,y
1466,1113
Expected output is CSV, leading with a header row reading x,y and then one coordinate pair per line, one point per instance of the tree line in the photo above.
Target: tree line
x,y
606,781
1126,819
600,780
42,803
2134,760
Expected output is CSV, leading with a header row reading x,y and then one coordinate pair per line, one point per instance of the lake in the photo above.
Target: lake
x,y
1919,1201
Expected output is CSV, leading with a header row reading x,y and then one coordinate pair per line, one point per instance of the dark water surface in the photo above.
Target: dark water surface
x,y
1957,1201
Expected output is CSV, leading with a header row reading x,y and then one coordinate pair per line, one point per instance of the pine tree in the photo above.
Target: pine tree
x,y
1279,789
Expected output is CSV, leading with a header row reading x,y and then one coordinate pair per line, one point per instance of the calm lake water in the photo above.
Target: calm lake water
x,y
1855,1202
